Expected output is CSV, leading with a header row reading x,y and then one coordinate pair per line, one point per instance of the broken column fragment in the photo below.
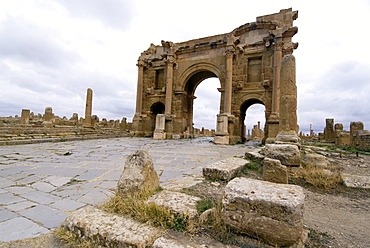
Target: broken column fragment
x,y
288,101
88,108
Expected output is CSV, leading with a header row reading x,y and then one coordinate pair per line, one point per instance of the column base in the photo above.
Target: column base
x,y
222,139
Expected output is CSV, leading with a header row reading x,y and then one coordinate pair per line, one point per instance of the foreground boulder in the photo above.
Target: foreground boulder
x,y
109,230
264,210
138,174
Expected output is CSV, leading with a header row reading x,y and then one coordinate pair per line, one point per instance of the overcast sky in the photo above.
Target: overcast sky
x,y
51,51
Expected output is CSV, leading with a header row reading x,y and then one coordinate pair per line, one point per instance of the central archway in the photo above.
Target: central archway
x,y
190,88
207,104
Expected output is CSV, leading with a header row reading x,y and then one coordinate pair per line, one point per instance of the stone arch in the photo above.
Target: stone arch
x,y
247,61
204,71
194,76
243,110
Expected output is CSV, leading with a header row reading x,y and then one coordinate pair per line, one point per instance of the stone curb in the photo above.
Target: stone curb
x,y
61,139
110,230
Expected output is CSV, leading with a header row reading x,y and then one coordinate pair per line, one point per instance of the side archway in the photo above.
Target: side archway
x,y
243,111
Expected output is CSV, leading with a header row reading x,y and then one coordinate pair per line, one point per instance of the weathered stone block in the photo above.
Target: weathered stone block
x,y
176,202
180,240
225,169
354,181
109,230
254,155
138,174
274,172
316,160
287,154
268,211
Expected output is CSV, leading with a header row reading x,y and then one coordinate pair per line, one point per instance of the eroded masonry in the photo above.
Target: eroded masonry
x,y
247,62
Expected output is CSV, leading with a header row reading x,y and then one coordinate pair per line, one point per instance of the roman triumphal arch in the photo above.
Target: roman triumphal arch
x,y
247,61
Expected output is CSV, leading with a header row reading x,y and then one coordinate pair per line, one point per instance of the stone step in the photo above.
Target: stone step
x,y
109,230
176,202
225,169
174,239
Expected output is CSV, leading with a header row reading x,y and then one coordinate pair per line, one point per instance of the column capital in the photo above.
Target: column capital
x,y
171,59
141,62
278,44
230,51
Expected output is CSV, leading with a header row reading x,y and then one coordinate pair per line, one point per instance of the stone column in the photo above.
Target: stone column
x,y
88,108
139,93
229,79
222,136
288,127
329,134
276,78
355,126
273,119
25,116
48,116
123,124
160,122
169,84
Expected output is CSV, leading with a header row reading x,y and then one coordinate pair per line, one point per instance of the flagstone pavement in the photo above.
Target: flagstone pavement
x,y
40,184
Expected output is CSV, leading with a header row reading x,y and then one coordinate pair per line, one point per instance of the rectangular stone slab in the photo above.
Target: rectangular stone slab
x,y
110,230
225,169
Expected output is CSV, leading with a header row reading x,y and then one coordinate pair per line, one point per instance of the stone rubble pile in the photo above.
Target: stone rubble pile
x,y
270,212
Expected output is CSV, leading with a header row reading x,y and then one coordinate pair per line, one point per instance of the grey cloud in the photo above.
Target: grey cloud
x,y
341,93
113,13
21,41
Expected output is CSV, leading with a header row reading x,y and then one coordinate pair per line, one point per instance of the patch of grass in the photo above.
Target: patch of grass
x,y
321,178
356,150
204,205
72,240
62,140
218,230
254,165
317,239
18,185
136,207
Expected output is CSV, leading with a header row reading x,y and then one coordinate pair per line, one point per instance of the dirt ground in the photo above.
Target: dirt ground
x,y
338,217
343,213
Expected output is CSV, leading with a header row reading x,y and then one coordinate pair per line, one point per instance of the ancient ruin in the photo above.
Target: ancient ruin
x,y
247,61
356,137
47,127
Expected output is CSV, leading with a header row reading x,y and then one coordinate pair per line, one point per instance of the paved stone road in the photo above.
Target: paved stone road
x,y
40,184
